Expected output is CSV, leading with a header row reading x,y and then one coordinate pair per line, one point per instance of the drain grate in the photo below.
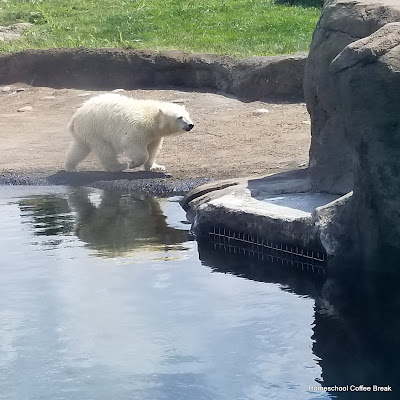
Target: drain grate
x,y
233,242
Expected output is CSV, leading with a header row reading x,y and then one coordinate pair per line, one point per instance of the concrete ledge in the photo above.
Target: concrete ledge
x,y
279,208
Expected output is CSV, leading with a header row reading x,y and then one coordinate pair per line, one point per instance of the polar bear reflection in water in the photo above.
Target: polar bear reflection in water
x,y
120,224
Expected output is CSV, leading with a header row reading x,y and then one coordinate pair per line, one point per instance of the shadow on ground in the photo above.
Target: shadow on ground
x,y
83,178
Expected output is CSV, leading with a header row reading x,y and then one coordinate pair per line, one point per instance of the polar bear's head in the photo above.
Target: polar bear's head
x,y
174,119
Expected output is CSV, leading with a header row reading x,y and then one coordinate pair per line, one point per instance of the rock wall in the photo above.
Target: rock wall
x,y
352,91
254,78
342,22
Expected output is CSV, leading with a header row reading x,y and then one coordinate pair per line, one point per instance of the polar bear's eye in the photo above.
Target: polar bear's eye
x,y
180,118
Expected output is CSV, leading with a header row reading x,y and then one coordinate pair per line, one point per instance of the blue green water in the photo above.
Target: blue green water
x,y
105,295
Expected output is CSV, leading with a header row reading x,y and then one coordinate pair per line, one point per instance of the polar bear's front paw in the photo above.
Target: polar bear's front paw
x,y
157,168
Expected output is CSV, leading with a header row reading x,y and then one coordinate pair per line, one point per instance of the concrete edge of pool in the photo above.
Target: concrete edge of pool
x,y
280,208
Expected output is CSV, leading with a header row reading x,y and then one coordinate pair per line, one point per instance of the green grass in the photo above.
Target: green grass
x,y
234,27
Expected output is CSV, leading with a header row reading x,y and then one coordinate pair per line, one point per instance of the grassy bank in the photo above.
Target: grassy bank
x,y
234,27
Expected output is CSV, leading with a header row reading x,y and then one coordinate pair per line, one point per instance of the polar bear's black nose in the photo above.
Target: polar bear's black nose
x,y
191,126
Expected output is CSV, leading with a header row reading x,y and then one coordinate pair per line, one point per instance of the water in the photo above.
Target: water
x,y
105,295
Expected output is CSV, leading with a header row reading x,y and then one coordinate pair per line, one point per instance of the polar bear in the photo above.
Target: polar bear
x,y
111,124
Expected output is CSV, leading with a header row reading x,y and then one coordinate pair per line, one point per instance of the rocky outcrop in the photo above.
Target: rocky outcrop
x,y
342,22
352,91
367,73
254,78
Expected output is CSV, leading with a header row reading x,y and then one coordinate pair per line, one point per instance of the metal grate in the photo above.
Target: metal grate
x,y
239,243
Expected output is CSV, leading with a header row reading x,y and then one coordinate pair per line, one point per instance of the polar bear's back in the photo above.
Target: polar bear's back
x,y
123,105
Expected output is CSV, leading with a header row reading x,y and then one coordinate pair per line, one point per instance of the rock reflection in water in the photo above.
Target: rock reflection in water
x,y
357,324
357,328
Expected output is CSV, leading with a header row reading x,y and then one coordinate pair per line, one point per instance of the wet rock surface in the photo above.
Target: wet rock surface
x,y
152,183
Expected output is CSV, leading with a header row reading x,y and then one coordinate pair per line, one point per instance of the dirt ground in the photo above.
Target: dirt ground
x,y
230,139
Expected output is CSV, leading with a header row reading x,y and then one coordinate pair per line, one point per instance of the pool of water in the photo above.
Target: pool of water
x,y
105,295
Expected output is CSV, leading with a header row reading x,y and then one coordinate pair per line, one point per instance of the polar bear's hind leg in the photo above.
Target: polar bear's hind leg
x,y
107,157
77,152
137,155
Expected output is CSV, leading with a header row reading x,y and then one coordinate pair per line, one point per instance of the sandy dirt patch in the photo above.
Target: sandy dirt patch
x,y
231,138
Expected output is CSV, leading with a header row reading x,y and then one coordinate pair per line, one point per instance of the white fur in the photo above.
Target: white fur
x,y
111,124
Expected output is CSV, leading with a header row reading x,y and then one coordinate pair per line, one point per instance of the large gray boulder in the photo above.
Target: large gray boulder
x,y
352,91
367,73
342,22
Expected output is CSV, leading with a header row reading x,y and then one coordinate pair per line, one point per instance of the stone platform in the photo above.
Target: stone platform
x,y
280,208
